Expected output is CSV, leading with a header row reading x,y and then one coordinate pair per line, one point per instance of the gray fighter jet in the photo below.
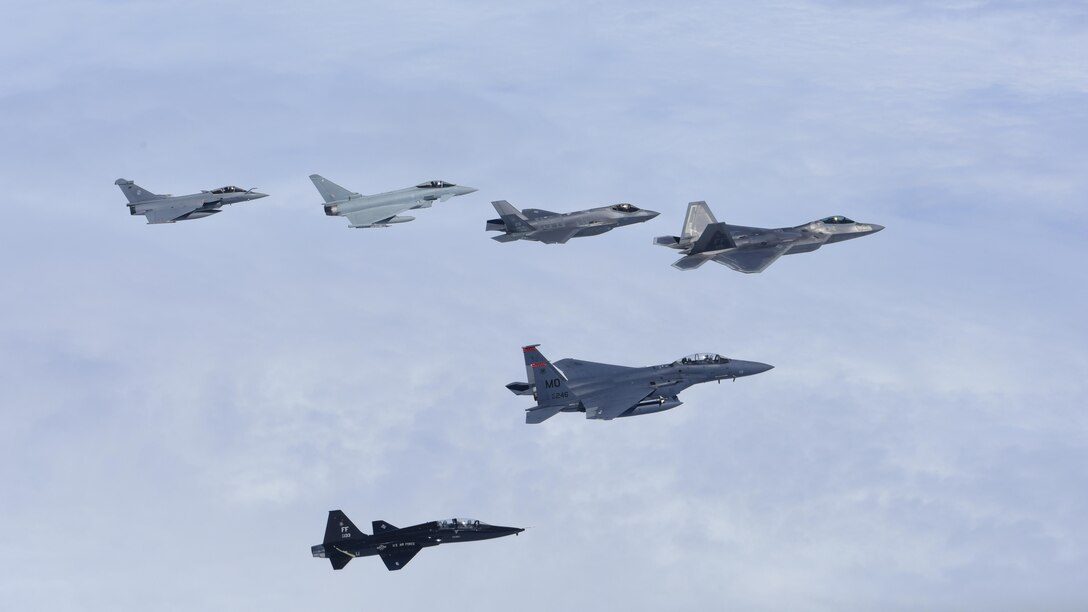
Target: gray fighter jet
x,y
556,228
605,391
343,540
752,249
165,208
382,210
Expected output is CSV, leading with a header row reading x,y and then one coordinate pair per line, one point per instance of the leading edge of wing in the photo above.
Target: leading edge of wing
x,y
751,261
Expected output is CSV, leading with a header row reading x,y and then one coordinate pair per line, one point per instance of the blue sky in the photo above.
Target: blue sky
x,y
182,404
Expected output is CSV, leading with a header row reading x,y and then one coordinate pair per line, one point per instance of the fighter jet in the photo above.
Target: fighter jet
x,y
605,391
165,208
556,228
752,249
382,210
343,540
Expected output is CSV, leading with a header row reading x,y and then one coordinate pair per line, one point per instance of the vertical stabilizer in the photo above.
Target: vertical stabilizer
x,y
330,190
551,385
698,217
135,193
515,221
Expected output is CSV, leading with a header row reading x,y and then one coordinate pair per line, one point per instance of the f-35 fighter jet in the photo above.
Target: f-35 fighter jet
x,y
605,391
382,210
556,228
752,249
165,208
343,540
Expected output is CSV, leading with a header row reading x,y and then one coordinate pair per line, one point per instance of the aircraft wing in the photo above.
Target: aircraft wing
x,y
370,216
750,261
576,369
397,559
170,212
555,236
612,402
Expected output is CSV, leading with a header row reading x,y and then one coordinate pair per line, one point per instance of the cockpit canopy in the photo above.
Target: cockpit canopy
x,y
459,523
625,208
434,185
836,219
702,359
228,189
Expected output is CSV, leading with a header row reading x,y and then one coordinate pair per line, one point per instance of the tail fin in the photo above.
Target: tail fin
x,y
134,192
330,190
552,392
512,217
698,217
338,529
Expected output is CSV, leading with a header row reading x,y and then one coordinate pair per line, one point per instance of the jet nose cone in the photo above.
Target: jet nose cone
x,y
875,228
751,368
650,214
467,190
759,368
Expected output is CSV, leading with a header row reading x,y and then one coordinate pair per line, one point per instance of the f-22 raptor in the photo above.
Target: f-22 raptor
x,y
383,209
343,540
605,391
556,228
165,208
752,249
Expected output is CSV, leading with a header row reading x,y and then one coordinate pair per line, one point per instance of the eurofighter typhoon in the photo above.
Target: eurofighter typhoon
x,y
752,249
556,228
383,209
605,391
165,208
343,540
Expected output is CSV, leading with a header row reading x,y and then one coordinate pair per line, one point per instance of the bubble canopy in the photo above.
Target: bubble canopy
x,y
836,219
701,359
459,523
625,207
434,185
228,189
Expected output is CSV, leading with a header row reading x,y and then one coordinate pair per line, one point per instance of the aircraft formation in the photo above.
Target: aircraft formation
x,y
601,391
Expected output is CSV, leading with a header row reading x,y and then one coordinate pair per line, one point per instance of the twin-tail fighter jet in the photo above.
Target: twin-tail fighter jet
x,y
752,249
605,391
165,208
383,209
343,540
556,228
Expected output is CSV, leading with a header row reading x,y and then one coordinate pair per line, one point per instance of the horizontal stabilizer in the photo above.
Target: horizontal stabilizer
x,y
667,241
337,557
691,262
520,388
539,415
715,237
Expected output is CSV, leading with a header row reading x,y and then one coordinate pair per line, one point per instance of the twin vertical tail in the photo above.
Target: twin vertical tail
x,y
510,220
339,530
550,387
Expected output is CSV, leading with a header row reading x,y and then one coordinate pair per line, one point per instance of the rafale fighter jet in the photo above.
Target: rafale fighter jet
x,y
165,208
556,228
752,249
343,540
382,210
605,391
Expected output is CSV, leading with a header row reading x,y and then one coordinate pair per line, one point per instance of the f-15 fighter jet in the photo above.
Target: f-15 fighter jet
x,y
556,228
382,210
343,540
165,208
752,249
605,391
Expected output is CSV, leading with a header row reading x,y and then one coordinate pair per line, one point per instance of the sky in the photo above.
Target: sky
x,y
182,404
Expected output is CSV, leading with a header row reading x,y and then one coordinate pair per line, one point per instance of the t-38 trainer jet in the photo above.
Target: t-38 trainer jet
x,y
605,391
165,208
556,228
343,540
752,249
382,210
